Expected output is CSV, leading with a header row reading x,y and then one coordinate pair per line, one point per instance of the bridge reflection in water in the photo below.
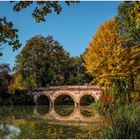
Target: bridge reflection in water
x,y
81,116
59,95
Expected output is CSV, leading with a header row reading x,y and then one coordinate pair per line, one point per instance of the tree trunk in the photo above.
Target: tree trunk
x,y
132,82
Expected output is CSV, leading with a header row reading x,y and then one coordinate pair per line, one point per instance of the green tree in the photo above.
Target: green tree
x,y
76,73
5,78
128,24
44,62
128,18
41,62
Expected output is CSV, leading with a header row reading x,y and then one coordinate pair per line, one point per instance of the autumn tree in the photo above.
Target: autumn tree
x,y
16,84
108,59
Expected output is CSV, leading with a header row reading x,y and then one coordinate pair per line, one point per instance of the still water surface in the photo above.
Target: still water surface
x,y
42,122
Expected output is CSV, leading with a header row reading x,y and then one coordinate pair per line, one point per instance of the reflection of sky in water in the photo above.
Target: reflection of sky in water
x,y
13,131
1,126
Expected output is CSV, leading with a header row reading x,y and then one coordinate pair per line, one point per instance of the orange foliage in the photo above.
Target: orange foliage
x,y
108,58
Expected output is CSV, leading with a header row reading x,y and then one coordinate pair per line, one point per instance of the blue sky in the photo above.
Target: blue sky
x,y
73,28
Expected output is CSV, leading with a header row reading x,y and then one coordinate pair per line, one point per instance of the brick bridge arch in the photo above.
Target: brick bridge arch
x,y
39,94
75,92
93,94
61,93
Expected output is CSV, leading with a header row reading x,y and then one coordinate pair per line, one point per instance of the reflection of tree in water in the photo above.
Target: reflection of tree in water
x,y
48,131
64,105
33,127
43,104
43,100
44,130
64,110
87,111
42,109
55,131
27,129
40,129
87,100
3,130
15,112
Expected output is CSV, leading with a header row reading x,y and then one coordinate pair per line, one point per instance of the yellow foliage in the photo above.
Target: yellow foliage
x,y
107,58
135,96
19,122
136,12
17,84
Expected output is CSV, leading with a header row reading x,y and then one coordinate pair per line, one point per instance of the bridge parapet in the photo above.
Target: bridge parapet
x,y
67,87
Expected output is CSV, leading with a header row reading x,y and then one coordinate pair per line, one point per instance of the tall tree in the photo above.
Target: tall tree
x,y
128,24
108,58
44,62
41,62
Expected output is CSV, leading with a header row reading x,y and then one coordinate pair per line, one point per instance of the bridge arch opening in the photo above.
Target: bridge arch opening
x,y
85,108
64,105
43,104
64,99
43,100
87,99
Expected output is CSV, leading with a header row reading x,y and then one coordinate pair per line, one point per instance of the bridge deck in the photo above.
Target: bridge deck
x,y
85,87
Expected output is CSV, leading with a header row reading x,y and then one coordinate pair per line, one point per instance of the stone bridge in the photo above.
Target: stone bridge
x,y
75,92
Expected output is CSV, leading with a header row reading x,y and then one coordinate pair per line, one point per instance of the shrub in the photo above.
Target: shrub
x,y
125,123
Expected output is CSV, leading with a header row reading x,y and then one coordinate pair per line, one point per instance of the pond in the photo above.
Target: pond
x,y
43,122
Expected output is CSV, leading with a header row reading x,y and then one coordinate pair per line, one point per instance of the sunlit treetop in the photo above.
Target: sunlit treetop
x,y
108,58
129,20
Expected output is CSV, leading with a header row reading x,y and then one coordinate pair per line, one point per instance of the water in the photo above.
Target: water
x,y
43,122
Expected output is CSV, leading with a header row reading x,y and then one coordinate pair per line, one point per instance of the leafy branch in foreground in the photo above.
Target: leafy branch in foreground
x,y
8,34
42,8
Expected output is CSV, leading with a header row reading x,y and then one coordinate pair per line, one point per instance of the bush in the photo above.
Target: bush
x,y
125,123
19,98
